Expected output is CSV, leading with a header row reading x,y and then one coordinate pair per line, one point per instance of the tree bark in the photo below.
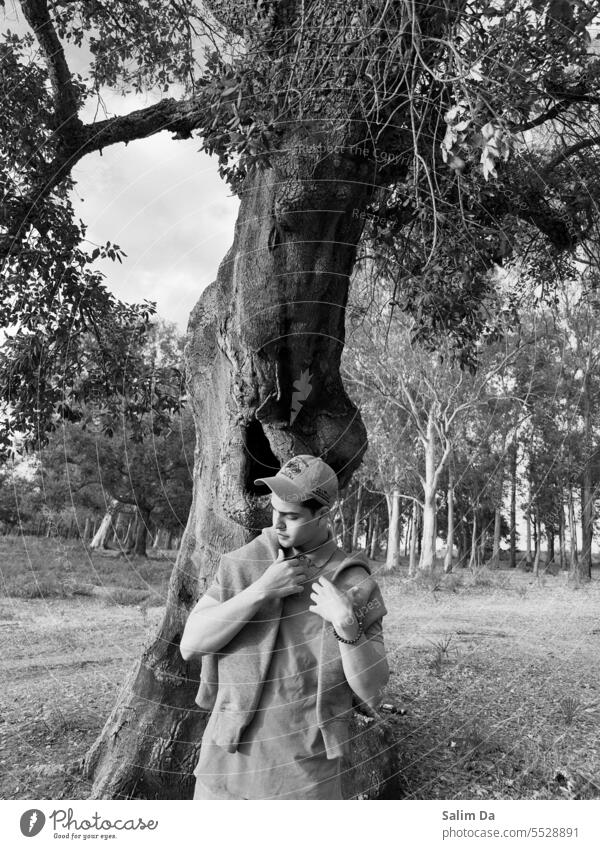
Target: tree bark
x,y
450,530
275,312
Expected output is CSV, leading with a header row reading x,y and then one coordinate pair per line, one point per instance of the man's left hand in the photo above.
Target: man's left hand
x,y
334,606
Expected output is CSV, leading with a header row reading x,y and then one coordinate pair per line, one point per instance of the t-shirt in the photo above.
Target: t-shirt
x,y
281,753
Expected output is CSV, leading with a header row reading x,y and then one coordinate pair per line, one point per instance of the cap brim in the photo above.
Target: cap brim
x,y
284,489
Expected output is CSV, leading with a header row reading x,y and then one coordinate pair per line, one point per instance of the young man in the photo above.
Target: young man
x,y
288,632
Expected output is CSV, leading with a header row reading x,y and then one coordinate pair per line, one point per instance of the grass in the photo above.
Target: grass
x,y
494,689
498,679
37,567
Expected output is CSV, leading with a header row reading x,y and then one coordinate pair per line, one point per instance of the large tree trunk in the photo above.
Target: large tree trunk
x,y
274,316
100,539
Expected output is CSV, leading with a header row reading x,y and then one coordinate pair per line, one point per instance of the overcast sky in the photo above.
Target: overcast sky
x,y
166,206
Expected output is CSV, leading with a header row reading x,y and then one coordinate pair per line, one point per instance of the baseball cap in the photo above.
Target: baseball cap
x,y
304,477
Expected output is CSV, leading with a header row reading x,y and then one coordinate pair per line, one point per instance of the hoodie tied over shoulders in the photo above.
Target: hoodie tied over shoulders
x,y
232,679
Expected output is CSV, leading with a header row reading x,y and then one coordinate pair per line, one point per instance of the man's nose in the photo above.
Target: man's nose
x,y
279,523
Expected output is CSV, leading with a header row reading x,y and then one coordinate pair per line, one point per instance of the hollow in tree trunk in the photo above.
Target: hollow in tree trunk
x,y
274,316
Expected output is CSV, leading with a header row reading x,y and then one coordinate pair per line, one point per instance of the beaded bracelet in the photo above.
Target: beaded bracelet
x,y
358,636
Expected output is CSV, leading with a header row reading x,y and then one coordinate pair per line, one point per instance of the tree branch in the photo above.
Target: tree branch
x,y
574,148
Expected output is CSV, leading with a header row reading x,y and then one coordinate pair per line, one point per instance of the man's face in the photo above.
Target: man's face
x,y
296,525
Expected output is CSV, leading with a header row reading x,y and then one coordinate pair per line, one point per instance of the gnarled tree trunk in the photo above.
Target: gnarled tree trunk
x,y
275,315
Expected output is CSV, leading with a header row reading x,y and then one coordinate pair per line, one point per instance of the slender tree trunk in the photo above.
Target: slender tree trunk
x,y
374,538
587,501
561,533
496,545
428,536
100,539
550,536
392,560
249,340
513,505
357,518
573,559
537,534
450,523
528,558
414,533
86,529
473,557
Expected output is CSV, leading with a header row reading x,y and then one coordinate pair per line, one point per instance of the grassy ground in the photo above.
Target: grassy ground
x,y
494,675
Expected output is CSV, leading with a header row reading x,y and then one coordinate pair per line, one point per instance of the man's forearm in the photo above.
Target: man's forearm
x,y
366,669
209,629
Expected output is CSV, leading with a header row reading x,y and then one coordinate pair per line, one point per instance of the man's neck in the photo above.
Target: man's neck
x,y
315,543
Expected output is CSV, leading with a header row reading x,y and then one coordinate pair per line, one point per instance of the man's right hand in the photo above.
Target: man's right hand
x,y
282,578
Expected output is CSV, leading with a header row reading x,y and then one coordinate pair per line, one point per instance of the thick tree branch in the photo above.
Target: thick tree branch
x,y
64,93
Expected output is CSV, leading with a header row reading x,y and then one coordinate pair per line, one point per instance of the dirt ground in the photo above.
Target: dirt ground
x,y
495,686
